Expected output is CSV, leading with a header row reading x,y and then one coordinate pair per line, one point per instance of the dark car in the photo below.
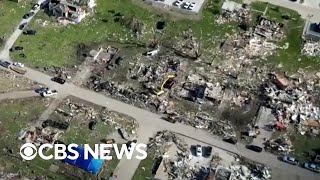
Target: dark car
x,y
231,140
16,48
30,32
254,148
206,150
26,16
5,64
55,124
58,80
22,26
41,90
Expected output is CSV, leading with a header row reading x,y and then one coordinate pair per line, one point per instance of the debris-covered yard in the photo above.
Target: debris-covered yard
x,y
15,116
11,82
176,157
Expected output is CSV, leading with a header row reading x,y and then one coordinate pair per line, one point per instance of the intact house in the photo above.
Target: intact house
x,y
73,11
312,31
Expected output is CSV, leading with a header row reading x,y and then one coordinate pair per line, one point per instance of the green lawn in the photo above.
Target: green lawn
x,y
291,59
145,167
304,144
57,45
10,15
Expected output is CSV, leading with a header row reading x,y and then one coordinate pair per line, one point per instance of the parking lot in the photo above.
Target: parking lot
x,y
183,4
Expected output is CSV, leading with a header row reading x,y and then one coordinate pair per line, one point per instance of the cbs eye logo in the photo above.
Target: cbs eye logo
x,y
28,151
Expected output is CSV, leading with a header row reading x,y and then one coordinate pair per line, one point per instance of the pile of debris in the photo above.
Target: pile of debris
x,y
292,100
311,48
250,171
85,113
268,29
14,176
234,12
38,135
187,45
164,139
197,88
281,144
177,167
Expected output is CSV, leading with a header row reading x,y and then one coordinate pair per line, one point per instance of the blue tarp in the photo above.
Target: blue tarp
x,y
90,165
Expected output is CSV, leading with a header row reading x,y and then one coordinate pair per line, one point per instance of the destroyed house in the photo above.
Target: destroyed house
x,y
90,165
65,10
312,31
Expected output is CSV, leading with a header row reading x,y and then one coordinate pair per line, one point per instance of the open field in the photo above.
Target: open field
x,y
10,15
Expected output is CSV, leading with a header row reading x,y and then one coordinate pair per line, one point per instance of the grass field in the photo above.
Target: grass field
x,y
290,59
144,171
304,144
10,15
55,45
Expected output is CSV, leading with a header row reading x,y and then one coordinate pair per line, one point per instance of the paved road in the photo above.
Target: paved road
x,y
150,123
18,95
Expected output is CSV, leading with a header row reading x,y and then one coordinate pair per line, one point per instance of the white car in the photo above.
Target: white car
x,y
199,150
178,3
49,93
18,64
191,7
133,143
186,5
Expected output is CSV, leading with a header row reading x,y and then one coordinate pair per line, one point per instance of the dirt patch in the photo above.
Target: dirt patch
x,y
11,82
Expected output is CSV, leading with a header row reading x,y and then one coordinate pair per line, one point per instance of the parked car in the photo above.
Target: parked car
x,y
312,167
4,63
254,148
30,32
22,26
58,80
35,7
16,48
207,150
55,124
49,93
41,90
192,5
198,150
290,160
186,5
231,140
178,3
132,143
28,15
18,64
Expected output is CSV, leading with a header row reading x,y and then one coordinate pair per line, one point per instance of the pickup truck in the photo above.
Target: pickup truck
x,y
18,70
49,93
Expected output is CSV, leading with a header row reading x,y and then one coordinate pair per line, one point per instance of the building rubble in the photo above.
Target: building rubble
x,y
281,144
311,48
293,102
39,135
